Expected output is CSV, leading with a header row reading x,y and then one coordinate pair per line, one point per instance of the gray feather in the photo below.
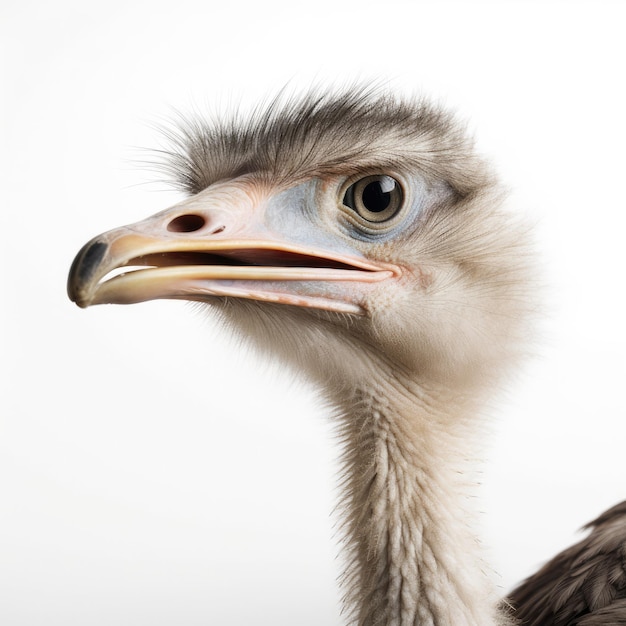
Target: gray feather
x,y
321,133
584,585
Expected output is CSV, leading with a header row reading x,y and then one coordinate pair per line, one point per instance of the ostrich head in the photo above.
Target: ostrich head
x,y
359,238
351,222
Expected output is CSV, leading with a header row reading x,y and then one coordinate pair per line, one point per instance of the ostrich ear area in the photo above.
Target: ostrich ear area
x,y
183,253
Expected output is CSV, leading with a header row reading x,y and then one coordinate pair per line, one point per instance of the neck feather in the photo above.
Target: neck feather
x,y
414,558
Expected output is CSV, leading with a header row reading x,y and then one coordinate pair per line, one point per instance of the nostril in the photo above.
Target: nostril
x,y
186,223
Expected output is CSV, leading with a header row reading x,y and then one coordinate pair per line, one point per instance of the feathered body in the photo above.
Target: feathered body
x,y
585,585
409,363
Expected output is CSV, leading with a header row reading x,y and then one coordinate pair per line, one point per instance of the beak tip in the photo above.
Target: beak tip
x,y
77,295
82,271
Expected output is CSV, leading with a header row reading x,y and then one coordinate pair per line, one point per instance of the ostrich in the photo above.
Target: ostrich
x,y
358,237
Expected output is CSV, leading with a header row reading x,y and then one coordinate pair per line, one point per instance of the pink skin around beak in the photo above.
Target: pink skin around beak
x,y
225,241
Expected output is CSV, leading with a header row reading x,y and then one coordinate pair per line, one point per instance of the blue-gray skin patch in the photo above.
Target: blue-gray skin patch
x,y
311,214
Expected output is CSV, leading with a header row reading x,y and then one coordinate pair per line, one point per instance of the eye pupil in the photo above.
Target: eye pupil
x,y
376,198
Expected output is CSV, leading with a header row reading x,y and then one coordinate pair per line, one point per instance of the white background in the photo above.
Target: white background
x,y
151,472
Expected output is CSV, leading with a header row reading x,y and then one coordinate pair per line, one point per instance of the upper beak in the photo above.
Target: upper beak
x,y
217,244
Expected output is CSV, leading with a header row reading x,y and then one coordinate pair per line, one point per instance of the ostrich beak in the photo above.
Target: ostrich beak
x,y
222,242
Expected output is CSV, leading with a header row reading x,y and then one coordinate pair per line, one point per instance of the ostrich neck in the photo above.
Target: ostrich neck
x,y
414,557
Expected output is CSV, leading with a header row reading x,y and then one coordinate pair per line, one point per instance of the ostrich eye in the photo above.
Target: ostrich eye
x,y
375,198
